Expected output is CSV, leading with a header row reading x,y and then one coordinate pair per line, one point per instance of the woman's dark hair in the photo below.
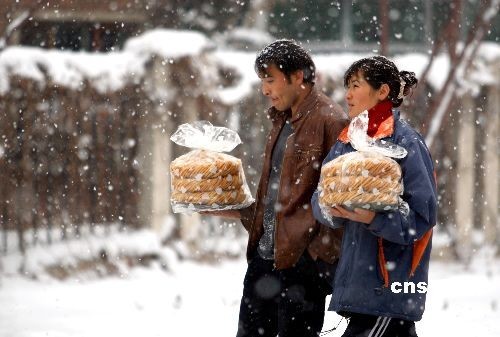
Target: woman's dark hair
x,y
288,57
377,70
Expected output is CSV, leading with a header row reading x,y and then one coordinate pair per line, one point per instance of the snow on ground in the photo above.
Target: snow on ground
x,y
202,300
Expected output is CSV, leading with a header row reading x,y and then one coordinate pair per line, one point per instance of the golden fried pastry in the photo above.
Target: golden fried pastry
x,y
347,198
218,197
207,178
360,184
360,166
361,179
226,183
199,164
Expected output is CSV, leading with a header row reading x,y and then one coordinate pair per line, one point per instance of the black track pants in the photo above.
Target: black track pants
x,y
290,302
378,326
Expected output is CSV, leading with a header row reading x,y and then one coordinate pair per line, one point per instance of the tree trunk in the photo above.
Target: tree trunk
x,y
465,179
384,26
490,216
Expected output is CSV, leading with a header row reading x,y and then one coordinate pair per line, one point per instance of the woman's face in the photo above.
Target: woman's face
x,y
361,96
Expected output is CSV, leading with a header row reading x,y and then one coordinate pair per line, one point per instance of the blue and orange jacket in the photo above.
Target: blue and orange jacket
x,y
394,247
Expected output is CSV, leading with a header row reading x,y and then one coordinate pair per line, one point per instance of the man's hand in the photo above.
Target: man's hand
x,y
230,213
358,215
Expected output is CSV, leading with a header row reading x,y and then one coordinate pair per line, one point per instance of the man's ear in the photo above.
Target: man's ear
x,y
297,77
383,92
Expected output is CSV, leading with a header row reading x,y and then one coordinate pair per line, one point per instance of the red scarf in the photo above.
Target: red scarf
x,y
377,115
380,122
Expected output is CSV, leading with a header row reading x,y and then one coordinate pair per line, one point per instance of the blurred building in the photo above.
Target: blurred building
x,y
90,25
325,25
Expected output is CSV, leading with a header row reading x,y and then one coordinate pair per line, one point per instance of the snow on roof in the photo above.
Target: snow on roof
x,y
107,72
243,65
111,71
253,36
169,43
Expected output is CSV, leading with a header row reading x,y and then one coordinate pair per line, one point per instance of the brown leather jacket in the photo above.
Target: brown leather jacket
x,y
316,126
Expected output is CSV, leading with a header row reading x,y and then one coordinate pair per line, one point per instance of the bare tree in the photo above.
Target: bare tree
x,y
384,26
459,64
11,28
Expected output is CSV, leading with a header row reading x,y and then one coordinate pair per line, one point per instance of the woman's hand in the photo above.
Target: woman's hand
x,y
358,215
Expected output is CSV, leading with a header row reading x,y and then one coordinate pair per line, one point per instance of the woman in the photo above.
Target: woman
x,y
381,278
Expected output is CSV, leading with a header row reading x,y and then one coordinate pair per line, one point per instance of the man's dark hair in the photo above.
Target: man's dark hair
x,y
288,57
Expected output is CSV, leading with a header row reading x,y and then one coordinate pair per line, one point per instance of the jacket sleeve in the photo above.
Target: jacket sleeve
x,y
405,227
332,221
334,126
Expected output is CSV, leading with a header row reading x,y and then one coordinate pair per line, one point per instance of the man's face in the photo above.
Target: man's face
x,y
282,92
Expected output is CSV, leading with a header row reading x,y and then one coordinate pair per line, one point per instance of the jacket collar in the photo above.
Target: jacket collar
x,y
305,106
380,122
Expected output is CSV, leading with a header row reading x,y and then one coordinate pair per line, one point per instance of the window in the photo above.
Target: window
x,y
356,20
307,20
441,13
407,21
471,8
364,21
71,35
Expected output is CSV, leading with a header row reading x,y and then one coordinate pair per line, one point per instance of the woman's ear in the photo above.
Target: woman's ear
x,y
383,92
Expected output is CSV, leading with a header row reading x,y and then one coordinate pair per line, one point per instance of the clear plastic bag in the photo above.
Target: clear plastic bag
x,y
205,179
368,178
360,140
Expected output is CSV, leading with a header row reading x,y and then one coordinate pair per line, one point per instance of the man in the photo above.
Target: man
x,y
290,256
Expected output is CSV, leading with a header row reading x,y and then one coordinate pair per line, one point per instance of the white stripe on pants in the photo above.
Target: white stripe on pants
x,y
379,327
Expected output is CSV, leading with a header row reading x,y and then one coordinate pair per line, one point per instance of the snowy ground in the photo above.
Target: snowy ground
x,y
202,300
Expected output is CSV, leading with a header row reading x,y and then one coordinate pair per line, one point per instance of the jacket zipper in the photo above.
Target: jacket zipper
x,y
351,251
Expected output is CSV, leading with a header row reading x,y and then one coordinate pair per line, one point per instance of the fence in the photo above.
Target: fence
x,y
67,159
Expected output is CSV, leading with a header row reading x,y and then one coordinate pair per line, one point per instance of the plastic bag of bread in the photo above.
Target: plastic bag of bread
x,y
368,178
206,179
361,179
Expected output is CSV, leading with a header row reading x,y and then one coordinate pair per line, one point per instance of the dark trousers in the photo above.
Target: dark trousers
x,y
288,302
377,326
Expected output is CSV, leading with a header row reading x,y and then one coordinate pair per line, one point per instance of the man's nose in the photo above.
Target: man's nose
x,y
265,90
